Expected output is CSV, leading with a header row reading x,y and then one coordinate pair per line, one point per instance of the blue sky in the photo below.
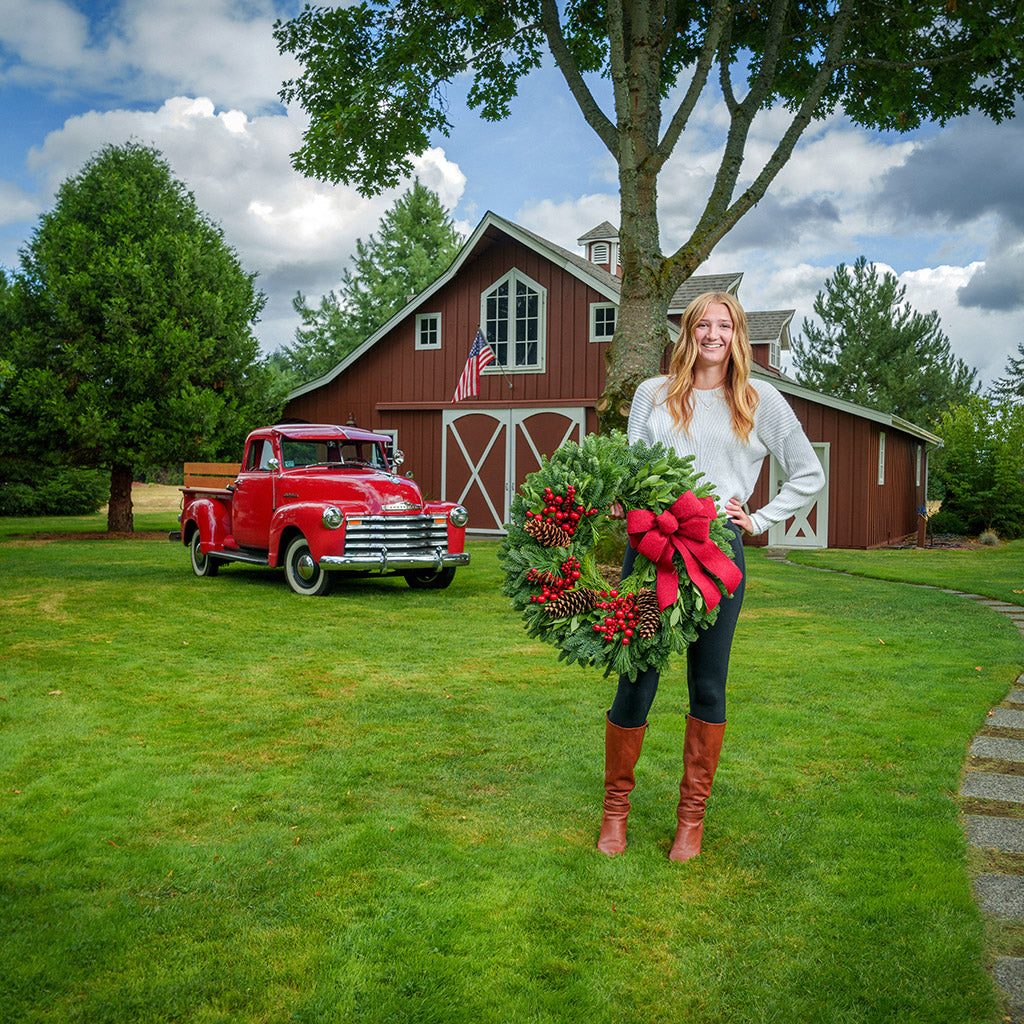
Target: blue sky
x,y
199,79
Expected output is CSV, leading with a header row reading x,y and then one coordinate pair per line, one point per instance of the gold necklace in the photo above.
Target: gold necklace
x,y
713,392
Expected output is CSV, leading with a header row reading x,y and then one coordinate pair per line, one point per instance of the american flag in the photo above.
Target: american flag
x,y
479,356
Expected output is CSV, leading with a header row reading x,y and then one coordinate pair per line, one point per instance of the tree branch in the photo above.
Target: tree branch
x,y
592,112
716,26
718,217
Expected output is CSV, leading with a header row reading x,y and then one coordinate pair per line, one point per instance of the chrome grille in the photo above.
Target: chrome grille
x,y
401,536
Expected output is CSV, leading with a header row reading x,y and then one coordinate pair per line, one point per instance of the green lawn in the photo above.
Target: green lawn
x,y
991,572
223,802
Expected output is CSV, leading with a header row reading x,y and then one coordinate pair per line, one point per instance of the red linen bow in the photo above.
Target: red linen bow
x,y
686,528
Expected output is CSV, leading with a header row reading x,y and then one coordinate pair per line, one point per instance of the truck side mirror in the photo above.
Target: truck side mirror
x,y
273,464
397,459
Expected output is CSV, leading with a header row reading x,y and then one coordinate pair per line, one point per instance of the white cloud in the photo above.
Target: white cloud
x,y
221,48
297,233
16,205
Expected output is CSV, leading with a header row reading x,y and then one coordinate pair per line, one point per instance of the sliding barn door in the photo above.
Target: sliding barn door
x,y
487,453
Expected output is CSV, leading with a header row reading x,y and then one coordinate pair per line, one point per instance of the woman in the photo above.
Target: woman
x,y
707,407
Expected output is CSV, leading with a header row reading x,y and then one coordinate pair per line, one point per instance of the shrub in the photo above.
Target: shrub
x,y
989,538
41,490
981,467
948,520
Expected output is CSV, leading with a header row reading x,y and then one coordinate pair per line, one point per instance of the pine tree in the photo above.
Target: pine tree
x,y
415,243
875,349
1010,387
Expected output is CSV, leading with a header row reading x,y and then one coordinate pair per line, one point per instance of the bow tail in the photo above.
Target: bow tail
x,y
705,584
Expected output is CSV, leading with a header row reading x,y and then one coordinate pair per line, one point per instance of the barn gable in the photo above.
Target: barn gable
x,y
547,313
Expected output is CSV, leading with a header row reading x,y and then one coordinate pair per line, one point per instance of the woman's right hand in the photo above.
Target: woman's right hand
x,y
616,511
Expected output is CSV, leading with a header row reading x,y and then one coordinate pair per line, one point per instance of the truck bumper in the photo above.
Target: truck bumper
x,y
382,563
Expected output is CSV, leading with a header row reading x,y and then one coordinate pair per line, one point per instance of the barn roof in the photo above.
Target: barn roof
x,y
764,327
605,231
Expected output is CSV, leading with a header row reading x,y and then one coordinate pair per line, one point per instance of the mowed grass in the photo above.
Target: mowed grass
x,y
996,572
222,802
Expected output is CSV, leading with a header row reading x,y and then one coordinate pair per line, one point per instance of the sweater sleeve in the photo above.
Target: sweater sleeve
x,y
805,479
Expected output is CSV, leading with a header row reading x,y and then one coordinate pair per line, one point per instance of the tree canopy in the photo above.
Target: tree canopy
x,y
980,467
374,78
131,337
874,348
415,243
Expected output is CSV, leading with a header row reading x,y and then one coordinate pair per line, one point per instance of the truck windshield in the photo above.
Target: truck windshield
x,y
332,452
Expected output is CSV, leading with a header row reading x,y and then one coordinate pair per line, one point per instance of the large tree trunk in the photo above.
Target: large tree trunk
x,y
119,509
641,324
641,328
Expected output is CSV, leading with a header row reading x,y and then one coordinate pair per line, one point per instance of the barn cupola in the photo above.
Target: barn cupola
x,y
601,246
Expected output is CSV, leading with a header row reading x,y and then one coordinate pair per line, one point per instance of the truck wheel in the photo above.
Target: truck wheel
x,y
304,576
202,565
430,580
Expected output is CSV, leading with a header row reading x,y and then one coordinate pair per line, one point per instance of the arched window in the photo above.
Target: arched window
x,y
599,252
514,317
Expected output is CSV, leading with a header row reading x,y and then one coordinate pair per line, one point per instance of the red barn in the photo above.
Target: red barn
x,y
548,314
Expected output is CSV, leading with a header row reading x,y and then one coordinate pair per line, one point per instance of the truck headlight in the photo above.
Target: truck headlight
x,y
458,516
332,517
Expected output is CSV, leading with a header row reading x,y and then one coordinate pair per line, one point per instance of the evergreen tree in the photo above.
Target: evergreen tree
x,y
415,243
1010,387
131,330
874,348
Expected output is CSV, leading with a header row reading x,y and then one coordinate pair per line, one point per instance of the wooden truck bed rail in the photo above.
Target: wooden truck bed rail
x,y
210,475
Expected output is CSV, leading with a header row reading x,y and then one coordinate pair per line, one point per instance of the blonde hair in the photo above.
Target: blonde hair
x,y
739,392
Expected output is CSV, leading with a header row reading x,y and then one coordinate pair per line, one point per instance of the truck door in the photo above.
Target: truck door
x,y
253,503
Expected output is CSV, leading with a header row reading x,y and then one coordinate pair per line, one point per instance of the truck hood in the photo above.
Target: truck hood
x,y
372,491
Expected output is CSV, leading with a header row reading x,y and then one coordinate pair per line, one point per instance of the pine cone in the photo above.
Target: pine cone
x,y
648,614
572,602
546,533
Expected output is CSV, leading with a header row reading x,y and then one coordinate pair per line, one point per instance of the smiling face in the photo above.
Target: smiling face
x,y
712,335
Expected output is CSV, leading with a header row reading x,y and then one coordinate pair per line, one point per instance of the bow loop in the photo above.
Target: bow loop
x,y
684,527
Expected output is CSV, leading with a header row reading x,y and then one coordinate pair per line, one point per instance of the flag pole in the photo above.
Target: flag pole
x,y
480,328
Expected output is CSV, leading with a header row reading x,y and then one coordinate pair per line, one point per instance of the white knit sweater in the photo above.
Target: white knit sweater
x,y
731,465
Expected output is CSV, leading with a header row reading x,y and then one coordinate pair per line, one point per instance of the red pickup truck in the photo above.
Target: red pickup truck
x,y
320,499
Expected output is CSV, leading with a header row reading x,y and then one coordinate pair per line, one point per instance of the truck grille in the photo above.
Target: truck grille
x,y
402,536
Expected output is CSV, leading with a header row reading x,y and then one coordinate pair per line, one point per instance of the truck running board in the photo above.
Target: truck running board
x,y
252,557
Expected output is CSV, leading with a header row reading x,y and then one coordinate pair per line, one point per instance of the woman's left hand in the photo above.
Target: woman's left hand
x,y
734,512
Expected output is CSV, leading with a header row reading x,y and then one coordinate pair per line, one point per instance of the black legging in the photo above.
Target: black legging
x,y
707,660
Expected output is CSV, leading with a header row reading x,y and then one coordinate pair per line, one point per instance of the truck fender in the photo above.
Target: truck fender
x,y
211,518
305,517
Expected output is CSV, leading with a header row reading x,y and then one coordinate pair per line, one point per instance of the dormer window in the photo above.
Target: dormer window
x,y
775,355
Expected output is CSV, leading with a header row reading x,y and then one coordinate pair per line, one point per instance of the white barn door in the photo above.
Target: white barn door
x,y
487,453
809,527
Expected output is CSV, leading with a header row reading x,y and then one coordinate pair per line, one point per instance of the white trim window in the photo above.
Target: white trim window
x,y
775,355
513,312
881,457
602,321
428,331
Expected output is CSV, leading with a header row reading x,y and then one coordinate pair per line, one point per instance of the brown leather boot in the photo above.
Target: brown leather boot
x,y
621,752
701,749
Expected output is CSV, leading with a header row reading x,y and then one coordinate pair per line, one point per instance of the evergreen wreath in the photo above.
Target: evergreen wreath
x,y
560,516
